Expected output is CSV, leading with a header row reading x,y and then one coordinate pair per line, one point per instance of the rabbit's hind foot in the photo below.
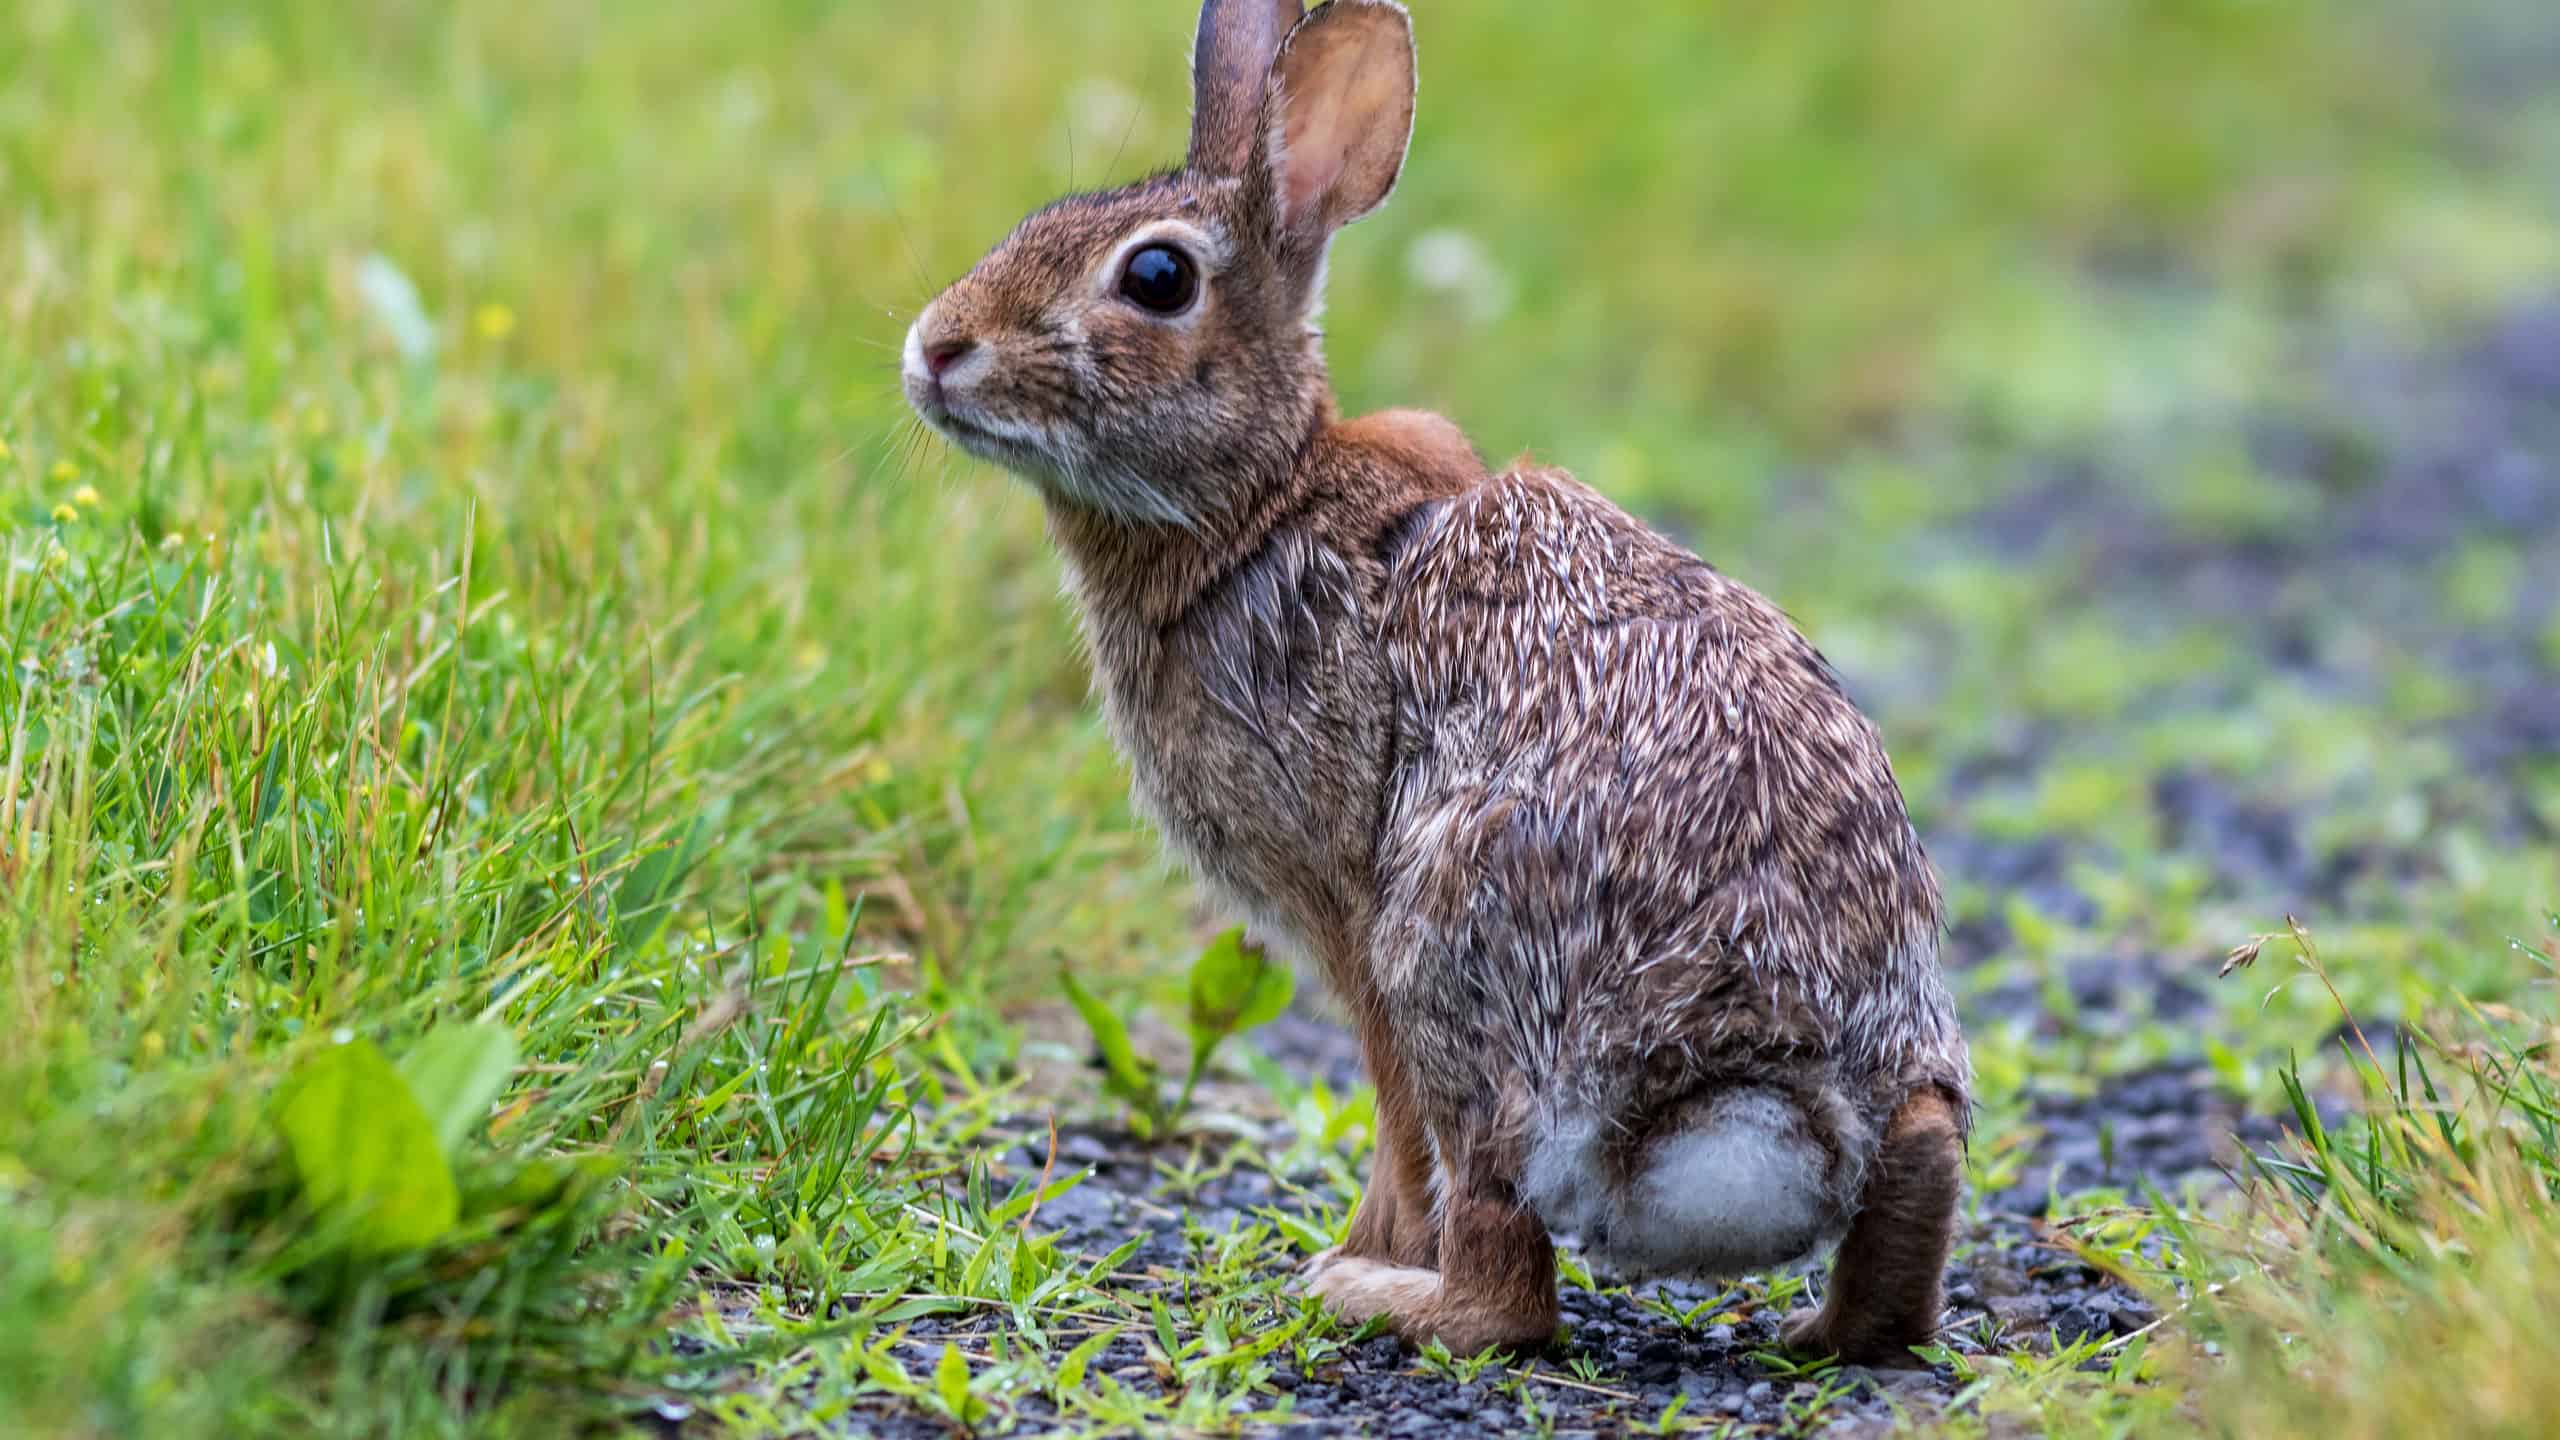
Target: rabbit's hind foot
x,y
1496,1288
1884,1295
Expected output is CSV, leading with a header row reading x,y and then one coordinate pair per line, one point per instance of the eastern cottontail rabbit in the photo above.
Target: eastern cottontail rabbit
x,y
1614,879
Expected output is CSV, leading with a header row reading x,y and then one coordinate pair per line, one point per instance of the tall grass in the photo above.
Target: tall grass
x,y
2399,1273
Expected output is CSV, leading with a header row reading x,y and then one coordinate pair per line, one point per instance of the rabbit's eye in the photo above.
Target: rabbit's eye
x,y
1160,278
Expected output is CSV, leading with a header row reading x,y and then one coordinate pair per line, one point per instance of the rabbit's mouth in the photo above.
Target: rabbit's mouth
x,y
1058,458
1028,451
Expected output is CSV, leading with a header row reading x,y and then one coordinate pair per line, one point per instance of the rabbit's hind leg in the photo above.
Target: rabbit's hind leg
x,y
1884,1296
1495,1288
1395,1222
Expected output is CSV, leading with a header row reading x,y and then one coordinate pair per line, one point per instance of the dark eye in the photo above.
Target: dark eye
x,y
1160,278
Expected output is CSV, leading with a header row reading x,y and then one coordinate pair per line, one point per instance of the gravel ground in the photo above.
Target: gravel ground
x,y
2011,1289
2441,449
2408,463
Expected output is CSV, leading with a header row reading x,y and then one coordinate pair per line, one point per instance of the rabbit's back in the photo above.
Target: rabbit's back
x,y
1638,839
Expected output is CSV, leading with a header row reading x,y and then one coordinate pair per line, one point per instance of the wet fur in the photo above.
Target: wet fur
x,y
1612,877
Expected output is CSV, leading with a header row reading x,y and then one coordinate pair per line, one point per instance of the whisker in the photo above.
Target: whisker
x,y
906,238
896,448
1067,122
1126,127
919,439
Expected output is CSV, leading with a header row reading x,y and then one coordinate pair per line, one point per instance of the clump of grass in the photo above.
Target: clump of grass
x,y
233,844
2399,1274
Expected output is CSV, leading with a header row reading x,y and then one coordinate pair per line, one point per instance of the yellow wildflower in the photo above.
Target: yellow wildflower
x,y
65,470
495,321
65,514
87,497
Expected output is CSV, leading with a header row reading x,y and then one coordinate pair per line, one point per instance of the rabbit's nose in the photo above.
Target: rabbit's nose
x,y
941,355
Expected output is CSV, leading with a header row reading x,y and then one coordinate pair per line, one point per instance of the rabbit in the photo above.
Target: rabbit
x,y
1613,880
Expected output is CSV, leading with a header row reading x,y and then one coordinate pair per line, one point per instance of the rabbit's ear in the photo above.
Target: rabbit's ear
x,y
1340,116
1230,69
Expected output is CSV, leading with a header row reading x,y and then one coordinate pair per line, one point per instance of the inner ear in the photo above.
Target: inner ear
x,y
1341,114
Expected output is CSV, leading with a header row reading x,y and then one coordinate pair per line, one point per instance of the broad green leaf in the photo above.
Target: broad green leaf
x,y
951,1382
1132,1077
1071,1370
366,1153
1236,986
455,1072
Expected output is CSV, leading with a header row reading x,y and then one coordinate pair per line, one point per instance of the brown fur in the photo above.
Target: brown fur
x,y
1494,1288
1395,1220
1588,839
1885,1295
1230,64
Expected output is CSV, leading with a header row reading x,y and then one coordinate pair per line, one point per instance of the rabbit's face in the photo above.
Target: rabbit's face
x,y
1148,352
1135,352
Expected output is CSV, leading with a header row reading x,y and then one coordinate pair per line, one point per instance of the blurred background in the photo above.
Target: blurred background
x,y
2153,406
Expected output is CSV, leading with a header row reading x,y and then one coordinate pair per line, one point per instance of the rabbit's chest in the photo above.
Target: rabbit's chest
x,y
1253,731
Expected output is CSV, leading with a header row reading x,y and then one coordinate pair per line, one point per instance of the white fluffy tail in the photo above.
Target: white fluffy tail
x,y
1744,1185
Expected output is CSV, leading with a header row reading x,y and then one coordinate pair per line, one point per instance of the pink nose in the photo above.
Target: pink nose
x,y
941,355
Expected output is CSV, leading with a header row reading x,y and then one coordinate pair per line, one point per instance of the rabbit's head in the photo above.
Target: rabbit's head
x,y
1149,353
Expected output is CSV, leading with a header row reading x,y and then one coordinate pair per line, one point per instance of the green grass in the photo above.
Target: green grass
x,y
2425,1226
459,561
